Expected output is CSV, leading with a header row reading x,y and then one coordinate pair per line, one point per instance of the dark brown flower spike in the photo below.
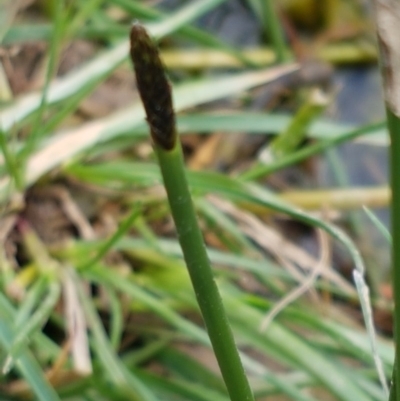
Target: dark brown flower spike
x,y
153,87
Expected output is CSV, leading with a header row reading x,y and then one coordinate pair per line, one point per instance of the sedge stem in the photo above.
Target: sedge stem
x,y
155,93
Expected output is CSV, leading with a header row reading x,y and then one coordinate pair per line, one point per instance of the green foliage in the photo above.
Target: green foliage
x,y
139,319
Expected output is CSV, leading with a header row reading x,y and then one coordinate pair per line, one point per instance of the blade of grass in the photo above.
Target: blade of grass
x,y
267,123
247,320
72,142
230,188
130,288
294,393
33,324
32,32
193,391
273,349
225,225
31,300
264,123
180,361
266,12
55,49
365,302
260,170
260,267
70,105
9,314
117,320
11,162
339,199
189,32
122,229
378,224
126,285
177,361
101,65
84,11
185,14
102,347
287,141
243,192
352,340
27,365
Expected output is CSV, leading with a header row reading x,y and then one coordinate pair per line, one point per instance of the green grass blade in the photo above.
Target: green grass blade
x,y
101,65
55,49
122,229
378,224
294,349
186,31
33,324
59,150
102,347
26,364
260,170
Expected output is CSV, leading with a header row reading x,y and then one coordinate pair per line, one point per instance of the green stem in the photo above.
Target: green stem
x,y
267,13
58,30
394,129
387,27
198,264
275,30
288,140
155,93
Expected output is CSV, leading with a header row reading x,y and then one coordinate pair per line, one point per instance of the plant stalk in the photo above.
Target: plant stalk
x,y
387,14
156,96
394,129
198,264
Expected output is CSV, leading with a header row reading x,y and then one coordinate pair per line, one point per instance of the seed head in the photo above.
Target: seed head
x,y
153,87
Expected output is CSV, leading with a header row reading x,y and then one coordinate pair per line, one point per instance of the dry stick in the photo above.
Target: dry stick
x,y
155,93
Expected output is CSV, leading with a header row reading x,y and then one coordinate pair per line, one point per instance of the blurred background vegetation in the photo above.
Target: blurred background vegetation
x,y
282,123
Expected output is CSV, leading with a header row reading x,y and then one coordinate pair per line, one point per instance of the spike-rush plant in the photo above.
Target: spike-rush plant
x,y
155,93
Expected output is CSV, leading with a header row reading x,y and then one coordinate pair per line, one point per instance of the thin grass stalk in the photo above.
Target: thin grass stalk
x,y
104,248
156,97
189,32
11,163
83,13
29,368
32,325
53,59
113,367
394,129
288,140
378,224
275,30
267,13
387,13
